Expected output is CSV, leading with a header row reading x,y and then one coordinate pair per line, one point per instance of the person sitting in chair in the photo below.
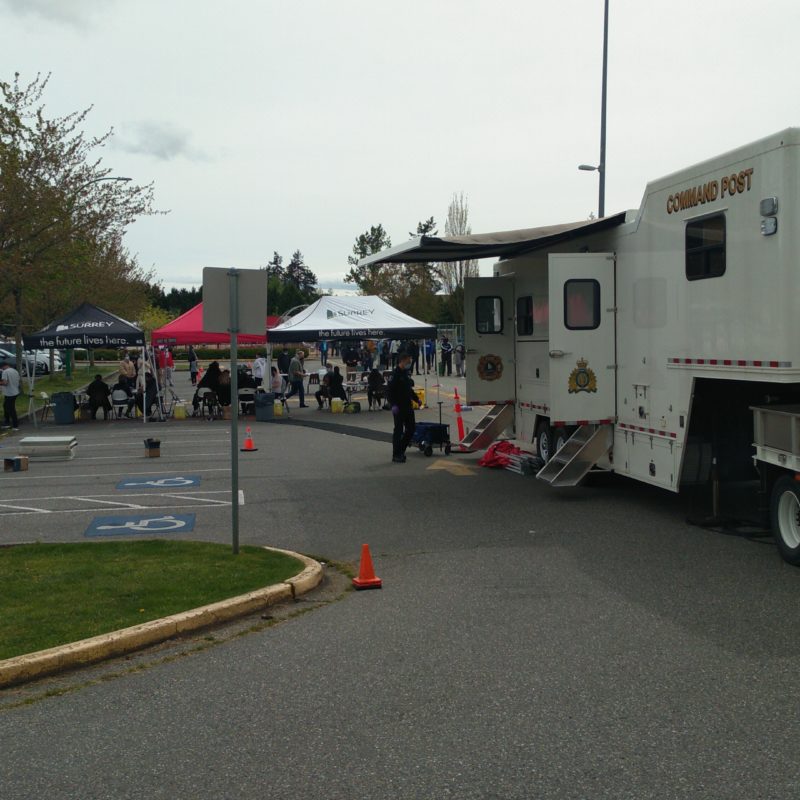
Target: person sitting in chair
x,y
149,397
324,387
336,385
224,388
98,393
118,388
210,380
376,389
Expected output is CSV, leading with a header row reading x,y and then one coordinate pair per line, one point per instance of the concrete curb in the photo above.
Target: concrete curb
x,y
108,645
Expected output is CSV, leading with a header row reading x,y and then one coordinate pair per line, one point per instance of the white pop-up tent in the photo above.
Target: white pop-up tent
x,y
359,317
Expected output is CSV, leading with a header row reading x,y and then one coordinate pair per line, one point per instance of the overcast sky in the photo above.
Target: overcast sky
x,y
282,125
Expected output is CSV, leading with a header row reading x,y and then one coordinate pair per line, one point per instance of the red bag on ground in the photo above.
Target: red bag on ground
x,y
496,455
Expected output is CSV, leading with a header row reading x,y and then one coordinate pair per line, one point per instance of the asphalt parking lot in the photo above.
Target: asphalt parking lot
x,y
111,483
527,642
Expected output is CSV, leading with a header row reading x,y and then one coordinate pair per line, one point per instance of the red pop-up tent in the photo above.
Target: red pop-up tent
x,y
188,329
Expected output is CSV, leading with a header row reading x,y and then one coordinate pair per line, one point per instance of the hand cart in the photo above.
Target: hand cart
x,y
428,434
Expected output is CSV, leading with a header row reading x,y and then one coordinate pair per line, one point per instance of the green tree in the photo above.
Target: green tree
x,y
275,267
375,278
151,317
62,217
301,277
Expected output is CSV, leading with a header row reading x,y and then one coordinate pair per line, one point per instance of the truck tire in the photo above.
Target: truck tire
x,y
544,441
785,515
560,436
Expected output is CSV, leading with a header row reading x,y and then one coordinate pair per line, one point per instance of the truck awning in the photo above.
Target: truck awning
x,y
500,244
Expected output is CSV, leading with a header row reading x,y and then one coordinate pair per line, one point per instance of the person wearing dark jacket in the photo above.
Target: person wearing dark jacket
x,y
210,380
447,357
149,397
284,359
336,385
376,389
98,393
400,393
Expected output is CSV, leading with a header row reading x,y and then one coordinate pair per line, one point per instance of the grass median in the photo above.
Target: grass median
x,y
54,594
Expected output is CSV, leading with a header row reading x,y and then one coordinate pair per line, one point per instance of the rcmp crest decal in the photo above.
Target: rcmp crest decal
x,y
582,379
490,367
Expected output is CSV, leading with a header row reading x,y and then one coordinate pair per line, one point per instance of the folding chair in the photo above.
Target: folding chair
x,y
247,400
120,402
46,405
210,406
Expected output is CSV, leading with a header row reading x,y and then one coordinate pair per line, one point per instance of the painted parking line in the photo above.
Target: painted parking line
x,y
30,477
124,526
74,504
156,482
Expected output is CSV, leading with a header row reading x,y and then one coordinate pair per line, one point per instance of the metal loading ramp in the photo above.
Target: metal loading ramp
x,y
578,455
489,427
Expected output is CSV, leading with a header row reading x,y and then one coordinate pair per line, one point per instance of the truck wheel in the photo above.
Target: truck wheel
x,y
560,437
428,450
544,441
785,513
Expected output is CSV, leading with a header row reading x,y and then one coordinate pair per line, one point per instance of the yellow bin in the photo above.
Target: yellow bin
x,y
277,409
420,393
179,411
337,405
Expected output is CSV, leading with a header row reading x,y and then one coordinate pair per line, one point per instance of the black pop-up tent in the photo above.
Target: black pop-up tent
x,y
86,326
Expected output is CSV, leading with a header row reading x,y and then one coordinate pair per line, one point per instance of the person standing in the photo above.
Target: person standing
x,y
429,351
323,353
413,349
458,358
193,365
259,369
400,393
9,383
161,363
447,356
284,359
394,349
170,370
127,372
296,375
383,354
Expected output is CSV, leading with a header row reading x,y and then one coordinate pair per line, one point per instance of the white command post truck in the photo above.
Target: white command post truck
x,y
662,343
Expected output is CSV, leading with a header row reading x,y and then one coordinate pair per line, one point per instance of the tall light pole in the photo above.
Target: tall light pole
x,y
601,166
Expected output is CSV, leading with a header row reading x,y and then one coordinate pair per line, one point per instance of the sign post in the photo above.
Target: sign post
x,y
234,300
234,329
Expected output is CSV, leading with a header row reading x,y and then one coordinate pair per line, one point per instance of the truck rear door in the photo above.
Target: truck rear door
x,y
582,338
489,339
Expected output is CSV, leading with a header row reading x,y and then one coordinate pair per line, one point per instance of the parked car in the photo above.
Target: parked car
x,y
9,350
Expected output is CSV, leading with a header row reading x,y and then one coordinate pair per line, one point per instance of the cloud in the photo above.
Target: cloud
x,y
160,140
68,12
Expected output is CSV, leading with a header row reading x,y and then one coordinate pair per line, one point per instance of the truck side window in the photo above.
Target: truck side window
x,y
705,248
581,304
525,316
489,314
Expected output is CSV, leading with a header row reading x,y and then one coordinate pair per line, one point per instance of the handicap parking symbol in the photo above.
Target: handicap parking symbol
x,y
137,524
155,482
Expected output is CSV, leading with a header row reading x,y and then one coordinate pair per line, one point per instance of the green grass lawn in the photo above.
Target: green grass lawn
x,y
52,594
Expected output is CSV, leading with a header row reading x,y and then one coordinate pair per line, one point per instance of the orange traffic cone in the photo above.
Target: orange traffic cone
x,y
459,420
366,573
248,447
